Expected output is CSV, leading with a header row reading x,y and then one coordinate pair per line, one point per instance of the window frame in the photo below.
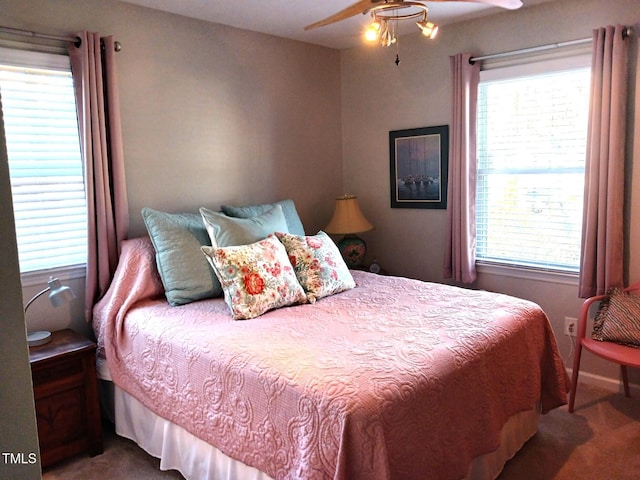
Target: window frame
x,y
49,60
518,68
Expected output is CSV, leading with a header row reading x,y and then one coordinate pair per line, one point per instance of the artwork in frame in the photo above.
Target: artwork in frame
x,y
419,160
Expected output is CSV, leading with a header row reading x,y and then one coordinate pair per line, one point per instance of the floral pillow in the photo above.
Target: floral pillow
x,y
318,264
255,278
618,319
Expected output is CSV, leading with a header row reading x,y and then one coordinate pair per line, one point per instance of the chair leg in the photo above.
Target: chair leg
x,y
574,375
625,380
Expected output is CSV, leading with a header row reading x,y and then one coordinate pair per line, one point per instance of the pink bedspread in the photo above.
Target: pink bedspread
x,y
395,379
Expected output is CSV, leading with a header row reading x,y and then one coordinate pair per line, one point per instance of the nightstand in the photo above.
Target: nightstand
x,y
65,389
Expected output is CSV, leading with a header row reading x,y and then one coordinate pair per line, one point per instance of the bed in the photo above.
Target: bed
x,y
393,378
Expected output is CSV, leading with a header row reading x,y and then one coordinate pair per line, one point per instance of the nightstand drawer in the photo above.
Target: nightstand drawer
x,y
66,370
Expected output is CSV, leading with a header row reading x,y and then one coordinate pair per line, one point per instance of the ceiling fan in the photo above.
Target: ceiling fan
x,y
366,6
384,11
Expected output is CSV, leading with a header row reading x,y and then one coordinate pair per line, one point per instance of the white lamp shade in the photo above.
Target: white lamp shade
x,y
59,294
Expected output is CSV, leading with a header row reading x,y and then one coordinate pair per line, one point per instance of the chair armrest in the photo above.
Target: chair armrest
x,y
584,315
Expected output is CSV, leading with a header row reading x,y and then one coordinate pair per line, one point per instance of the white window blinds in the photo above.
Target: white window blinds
x,y
531,157
38,106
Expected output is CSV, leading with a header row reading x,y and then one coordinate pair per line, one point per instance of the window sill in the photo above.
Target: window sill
x,y
41,277
524,273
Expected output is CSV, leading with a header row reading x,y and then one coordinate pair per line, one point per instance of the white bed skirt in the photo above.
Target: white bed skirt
x,y
196,459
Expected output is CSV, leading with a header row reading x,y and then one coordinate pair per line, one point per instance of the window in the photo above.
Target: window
x,y
531,147
39,110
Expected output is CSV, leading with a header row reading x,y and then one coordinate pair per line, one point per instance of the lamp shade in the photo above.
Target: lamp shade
x,y
59,294
347,217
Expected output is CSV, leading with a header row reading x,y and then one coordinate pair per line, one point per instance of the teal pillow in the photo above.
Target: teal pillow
x,y
288,207
225,231
185,272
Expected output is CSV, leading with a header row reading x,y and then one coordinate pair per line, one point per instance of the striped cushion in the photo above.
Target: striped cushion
x,y
618,319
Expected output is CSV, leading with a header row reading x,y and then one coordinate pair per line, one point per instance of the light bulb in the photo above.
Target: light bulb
x,y
373,31
429,29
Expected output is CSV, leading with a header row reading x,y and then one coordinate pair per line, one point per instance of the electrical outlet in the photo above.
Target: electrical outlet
x,y
570,326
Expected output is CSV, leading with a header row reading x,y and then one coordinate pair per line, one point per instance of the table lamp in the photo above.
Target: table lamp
x,y
348,220
58,295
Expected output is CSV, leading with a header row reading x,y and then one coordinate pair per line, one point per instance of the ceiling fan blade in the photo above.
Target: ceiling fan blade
x,y
350,11
508,4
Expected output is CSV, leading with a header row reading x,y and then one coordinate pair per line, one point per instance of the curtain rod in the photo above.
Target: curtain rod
x,y
27,33
117,46
626,33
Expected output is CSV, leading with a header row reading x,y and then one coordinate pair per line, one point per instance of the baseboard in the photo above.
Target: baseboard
x,y
606,383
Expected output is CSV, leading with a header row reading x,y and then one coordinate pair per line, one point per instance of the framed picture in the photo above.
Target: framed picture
x,y
419,160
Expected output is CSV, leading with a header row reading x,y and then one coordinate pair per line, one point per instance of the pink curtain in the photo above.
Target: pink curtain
x,y
96,86
459,258
602,257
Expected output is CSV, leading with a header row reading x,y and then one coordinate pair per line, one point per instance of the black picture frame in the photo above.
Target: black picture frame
x,y
419,167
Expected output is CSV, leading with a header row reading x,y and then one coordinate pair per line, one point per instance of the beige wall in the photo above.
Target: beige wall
x,y
17,413
212,114
378,97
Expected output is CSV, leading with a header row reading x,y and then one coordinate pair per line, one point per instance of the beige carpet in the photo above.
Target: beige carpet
x,y
601,440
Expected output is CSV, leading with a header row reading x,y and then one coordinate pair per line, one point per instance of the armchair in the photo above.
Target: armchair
x,y
623,355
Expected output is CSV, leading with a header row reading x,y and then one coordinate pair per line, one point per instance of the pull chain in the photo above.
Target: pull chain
x,y
397,62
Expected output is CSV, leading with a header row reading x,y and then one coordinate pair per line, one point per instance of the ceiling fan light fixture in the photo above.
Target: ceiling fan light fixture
x,y
372,33
429,29
387,37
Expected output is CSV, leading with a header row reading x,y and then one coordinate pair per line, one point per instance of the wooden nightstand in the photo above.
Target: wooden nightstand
x,y
65,389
